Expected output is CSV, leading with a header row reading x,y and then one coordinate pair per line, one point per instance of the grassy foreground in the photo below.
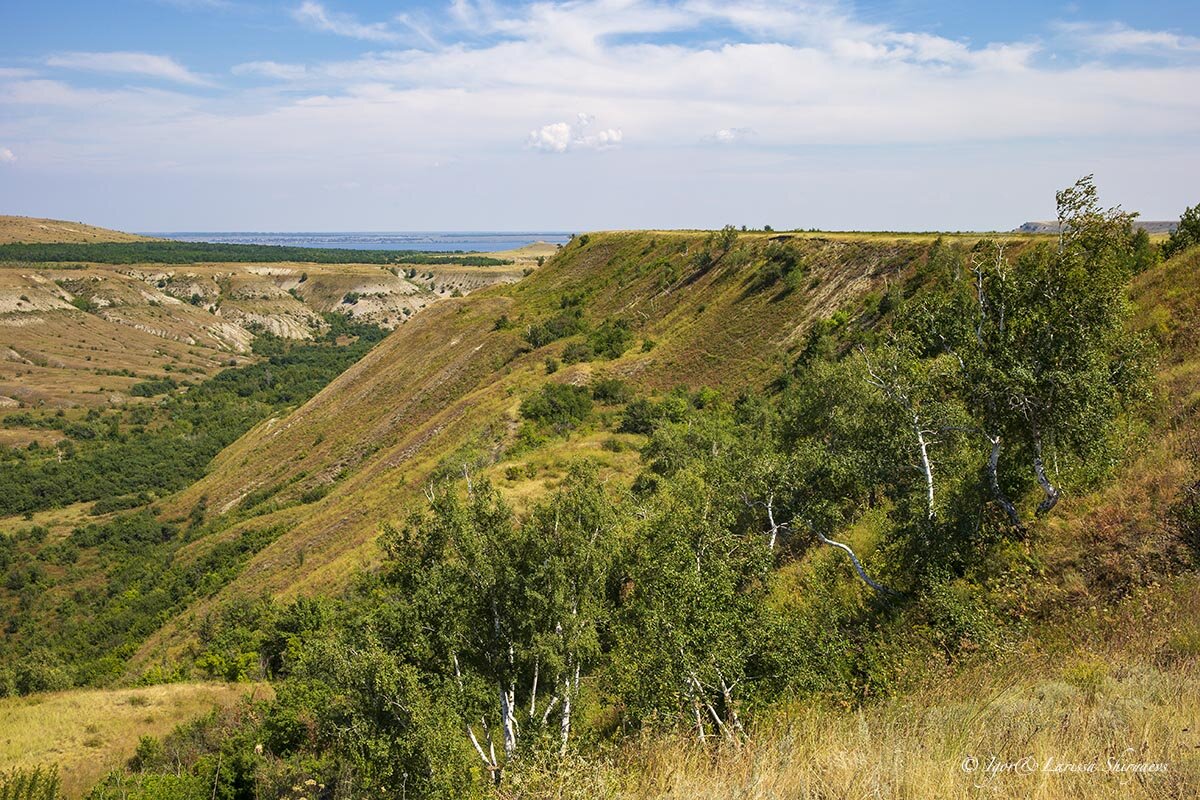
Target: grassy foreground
x,y
87,733
1103,708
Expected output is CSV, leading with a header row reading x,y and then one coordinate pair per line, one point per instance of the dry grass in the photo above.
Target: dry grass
x,y
88,732
32,230
1007,741
1024,724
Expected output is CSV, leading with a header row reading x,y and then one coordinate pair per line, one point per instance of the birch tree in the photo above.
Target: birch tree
x,y
508,613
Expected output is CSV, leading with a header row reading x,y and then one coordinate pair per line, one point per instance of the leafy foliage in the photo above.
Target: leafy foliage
x,y
560,405
1186,235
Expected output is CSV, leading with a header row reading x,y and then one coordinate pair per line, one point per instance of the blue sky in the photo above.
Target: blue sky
x,y
480,114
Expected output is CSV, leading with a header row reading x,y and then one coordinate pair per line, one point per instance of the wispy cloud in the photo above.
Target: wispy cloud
x,y
7,156
147,65
316,16
1117,37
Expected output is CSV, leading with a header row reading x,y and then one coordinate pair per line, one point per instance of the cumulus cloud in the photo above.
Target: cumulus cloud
x,y
7,156
145,64
316,16
559,137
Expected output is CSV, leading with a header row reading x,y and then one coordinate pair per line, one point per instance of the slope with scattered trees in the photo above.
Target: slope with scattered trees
x,y
816,475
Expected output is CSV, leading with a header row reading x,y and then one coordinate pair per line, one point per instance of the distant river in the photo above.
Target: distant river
x,y
479,241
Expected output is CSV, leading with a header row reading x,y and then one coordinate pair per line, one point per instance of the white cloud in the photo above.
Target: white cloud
x,y
1117,37
316,16
731,135
146,64
7,156
559,137
552,138
794,77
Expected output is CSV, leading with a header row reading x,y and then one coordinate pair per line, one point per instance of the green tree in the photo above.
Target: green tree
x,y
1186,234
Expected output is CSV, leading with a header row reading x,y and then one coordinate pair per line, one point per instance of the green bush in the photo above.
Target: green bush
x,y
577,352
560,405
154,387
567,323
40,671
611,391
611,339
1186,233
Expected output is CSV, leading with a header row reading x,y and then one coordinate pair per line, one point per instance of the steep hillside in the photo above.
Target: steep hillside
x,y
30,230
443,391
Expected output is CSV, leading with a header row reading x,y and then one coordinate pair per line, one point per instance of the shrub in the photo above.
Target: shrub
x,y
40,672
558,404
149,754
782,264
611,339
109,504
611,391
643,415
576,352
567,323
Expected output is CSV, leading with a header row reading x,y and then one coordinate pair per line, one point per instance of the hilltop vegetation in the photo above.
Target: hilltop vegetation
x,y
171,252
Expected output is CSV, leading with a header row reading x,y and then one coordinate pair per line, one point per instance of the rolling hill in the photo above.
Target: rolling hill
x,y
295,506
33,230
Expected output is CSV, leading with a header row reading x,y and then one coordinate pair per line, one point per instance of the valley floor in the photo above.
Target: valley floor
x,y
89,732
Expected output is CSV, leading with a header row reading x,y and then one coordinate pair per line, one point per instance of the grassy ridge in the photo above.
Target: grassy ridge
x,y
447,385
161,252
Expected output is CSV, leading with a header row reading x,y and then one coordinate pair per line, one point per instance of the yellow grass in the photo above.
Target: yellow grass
x,y
33,230
89,732
1077,712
